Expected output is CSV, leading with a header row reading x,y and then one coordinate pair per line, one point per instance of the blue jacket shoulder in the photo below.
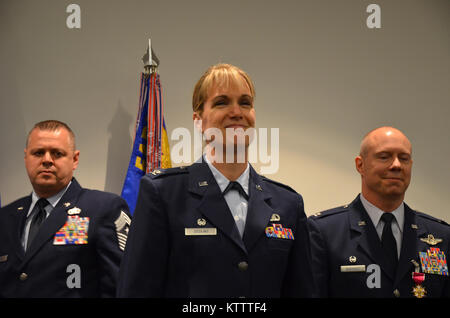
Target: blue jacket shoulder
x,y
431,218
330,212
161,173
281,185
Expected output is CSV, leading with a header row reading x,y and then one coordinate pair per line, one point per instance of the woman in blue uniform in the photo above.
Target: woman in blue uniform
x,y
217,228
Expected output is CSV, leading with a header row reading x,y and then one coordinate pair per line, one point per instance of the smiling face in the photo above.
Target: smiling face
x,y
50,160
385,165
230,110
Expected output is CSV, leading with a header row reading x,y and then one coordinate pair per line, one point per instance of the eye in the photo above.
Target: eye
x,y
57,154
383,156
38,153
246,102
404,158
220,102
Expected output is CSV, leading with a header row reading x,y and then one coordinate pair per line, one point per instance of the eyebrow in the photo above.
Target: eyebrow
x,y
226,96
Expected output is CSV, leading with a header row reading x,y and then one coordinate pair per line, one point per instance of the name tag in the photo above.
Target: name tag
x,y
353,268
200,231
3,258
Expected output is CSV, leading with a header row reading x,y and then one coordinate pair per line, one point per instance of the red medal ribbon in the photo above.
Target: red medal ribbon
x,y
418,278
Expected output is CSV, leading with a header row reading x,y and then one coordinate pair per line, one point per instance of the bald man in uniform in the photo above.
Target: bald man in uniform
x,y
377,246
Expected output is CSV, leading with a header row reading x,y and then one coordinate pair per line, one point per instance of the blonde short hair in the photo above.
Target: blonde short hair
x,y
221,75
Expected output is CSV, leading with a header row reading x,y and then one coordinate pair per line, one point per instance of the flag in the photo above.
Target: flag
x,y
151,144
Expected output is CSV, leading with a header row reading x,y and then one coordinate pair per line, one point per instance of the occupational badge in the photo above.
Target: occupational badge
x,y
277,231
430,240
74,231
122,227
201,222
433,261
275,217
73,211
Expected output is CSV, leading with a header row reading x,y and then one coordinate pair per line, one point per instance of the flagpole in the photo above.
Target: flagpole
x,y
150,145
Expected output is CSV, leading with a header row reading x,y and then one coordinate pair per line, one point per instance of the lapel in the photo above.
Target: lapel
x,y
367,237
259,212
55,220
212,204
19,215
409,249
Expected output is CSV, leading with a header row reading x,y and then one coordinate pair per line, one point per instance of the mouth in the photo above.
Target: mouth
x,y
46,172
394,178
236,126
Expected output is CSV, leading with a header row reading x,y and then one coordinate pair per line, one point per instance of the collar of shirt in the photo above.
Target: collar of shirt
x,y
53,200
223,181
375,213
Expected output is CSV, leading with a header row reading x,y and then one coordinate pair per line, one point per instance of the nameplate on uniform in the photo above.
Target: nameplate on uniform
x,y
353,268
200,231
3,258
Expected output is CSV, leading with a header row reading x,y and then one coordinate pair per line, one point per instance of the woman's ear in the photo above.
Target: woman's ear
x,y
197,121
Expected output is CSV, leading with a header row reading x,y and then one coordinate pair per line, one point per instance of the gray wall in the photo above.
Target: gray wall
x,y
321,76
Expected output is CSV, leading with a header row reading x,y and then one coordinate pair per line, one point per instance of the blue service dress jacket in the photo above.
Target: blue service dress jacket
x,y
76,253
184,241
346,251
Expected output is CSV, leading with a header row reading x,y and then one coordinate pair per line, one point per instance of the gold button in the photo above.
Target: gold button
x,y
23,276
243,266
397,293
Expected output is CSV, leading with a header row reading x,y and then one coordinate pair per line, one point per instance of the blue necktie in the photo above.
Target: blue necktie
x,y
38,218
234,185
388,240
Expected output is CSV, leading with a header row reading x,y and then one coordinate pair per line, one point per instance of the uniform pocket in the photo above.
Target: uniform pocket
x,y
279,244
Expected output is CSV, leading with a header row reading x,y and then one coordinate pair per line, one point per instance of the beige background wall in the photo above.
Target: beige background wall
x,y
321,76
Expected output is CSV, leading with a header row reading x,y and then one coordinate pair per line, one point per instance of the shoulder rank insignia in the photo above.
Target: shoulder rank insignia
x,y
433,261
156,172
430,240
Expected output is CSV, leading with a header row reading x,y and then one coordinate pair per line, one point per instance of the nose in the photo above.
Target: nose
x,y
235,110
396,165
47,159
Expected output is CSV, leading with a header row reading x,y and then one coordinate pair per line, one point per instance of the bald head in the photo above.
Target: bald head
x,y
378,135
385,166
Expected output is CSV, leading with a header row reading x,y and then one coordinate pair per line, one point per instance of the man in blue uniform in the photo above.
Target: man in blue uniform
x,y
217,228
377,246
62,240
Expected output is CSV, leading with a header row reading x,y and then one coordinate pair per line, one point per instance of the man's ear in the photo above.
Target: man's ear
x,y
76,156
359,162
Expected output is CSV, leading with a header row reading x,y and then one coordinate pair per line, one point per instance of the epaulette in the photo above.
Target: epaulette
x,y
278,184
432,218
157,173
334,211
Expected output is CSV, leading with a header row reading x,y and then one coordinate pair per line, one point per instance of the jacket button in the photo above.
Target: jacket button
x,y
23,276
243,266
397,293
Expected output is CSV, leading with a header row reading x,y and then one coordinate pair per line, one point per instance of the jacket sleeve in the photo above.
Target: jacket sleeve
x,y
299,281
144,266
319,259
109,245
